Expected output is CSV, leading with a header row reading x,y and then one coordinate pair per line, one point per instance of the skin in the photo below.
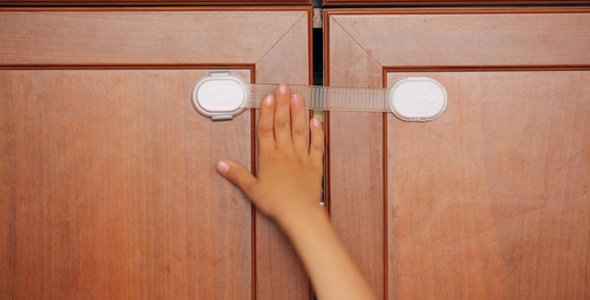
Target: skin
x,y
288,189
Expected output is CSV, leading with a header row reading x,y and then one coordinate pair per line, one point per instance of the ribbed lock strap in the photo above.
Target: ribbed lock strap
x,y
326,98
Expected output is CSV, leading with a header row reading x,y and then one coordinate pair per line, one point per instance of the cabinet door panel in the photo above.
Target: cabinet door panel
x,y
108,183
489,200
492,196
116,180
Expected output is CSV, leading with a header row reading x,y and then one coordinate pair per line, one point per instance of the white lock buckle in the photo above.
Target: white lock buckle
x,y
418,99
219,96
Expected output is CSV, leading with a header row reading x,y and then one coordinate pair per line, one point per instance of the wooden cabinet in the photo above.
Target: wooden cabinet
x,y
107,184
489,201
445,2
107,181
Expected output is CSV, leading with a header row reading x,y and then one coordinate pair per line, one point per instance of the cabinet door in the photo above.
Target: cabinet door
x,y
108,184
150,2
492,199
443,2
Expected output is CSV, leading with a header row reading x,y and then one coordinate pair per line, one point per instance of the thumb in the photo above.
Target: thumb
x,y
237,174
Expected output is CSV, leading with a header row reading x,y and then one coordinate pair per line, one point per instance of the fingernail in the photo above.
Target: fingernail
x,y
222,167
283,88
295,99
316,122
269,99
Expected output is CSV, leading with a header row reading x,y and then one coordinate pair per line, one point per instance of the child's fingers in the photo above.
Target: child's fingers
x,y
298,124
237,174
316,148
282,117
266,133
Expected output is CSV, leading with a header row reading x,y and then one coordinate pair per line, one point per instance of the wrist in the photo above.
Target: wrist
x,y
293,218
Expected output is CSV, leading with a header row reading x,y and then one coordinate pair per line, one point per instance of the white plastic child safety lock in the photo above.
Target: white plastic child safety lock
x,y
420,99
219,96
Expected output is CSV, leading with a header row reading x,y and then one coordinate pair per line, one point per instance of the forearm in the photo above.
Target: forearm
x,y
332,271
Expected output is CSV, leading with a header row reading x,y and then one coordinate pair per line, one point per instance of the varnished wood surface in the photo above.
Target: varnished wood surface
x,y
257,39
492,200
152,2
110,191
535,251
444,2
206,37
458,37
356,151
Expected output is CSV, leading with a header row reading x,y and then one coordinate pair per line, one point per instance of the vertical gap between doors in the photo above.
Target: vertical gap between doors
x,y
318,79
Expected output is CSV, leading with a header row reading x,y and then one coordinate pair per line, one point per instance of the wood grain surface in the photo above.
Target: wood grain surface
x,y
206,37
112,189
356,151
516,224
467,37
492,200
151,2
443,2
165,243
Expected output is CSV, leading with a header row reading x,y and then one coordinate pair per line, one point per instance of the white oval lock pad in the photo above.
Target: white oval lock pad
x,y
219,96
418,99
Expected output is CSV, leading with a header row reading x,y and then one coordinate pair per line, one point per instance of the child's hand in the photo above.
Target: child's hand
x,y
289,178
288,189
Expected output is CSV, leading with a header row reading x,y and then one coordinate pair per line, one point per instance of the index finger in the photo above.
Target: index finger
x,y
266,133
